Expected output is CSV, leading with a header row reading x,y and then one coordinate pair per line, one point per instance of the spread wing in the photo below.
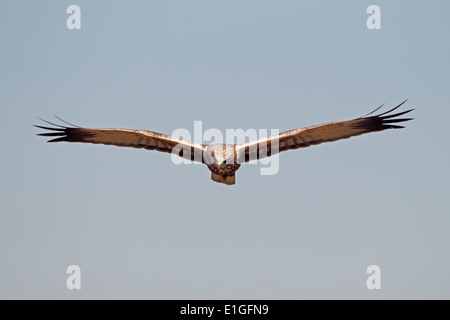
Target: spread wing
x,y
125,138
308,136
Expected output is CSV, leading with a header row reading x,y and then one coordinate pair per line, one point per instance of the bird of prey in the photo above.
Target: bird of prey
x,y
223,160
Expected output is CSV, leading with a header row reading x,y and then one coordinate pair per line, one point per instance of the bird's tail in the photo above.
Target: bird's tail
x,y
228,180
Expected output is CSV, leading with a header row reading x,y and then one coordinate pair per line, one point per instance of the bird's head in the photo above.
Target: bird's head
x,y
219,154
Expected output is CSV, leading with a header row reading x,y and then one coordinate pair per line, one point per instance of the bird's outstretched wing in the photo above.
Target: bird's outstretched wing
x,y
333,131
125,138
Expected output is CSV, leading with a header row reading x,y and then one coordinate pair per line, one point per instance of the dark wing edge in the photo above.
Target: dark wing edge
x,y
67,134
382,121
141,139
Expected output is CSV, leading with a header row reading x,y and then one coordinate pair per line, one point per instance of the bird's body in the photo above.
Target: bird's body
x,y
223,160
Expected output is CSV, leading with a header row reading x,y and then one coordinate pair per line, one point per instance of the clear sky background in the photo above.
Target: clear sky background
x,y
141,227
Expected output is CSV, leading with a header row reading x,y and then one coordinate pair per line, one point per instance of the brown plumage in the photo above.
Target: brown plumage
x,y
224,160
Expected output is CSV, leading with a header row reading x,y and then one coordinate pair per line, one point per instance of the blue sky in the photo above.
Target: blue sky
x,y
141,227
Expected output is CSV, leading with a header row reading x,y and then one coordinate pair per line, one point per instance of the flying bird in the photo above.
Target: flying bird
x,y
223,160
